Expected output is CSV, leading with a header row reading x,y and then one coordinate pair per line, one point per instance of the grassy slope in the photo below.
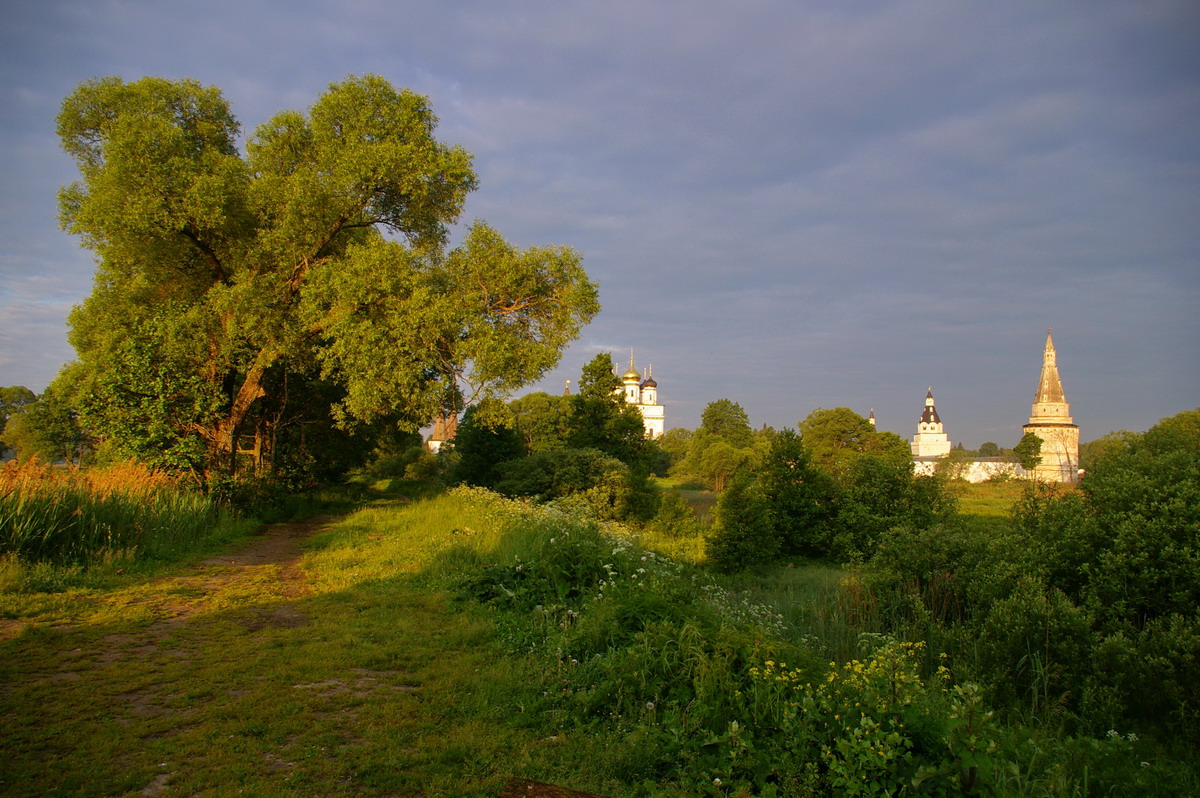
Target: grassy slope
x,y
345,673
340,675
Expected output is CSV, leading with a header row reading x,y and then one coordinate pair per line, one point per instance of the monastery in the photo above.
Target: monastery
x,y
1049,419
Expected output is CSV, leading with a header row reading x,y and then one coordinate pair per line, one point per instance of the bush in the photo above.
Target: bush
x,y
581,478
1034,651
745,534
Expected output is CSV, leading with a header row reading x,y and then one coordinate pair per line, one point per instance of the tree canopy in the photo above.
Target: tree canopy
x,y
726,419
837,436
232,288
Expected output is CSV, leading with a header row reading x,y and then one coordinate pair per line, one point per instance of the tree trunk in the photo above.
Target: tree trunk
x,y
223,436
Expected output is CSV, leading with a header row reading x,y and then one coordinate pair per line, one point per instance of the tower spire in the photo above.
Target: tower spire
x,y
1050,390
1050,420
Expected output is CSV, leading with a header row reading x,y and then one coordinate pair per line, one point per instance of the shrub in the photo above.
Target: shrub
x,y
745,534
1033,650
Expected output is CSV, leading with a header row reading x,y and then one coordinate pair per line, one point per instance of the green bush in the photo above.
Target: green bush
x,y
745,534
691,689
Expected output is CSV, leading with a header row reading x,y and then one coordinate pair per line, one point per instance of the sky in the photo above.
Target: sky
x,y
788,204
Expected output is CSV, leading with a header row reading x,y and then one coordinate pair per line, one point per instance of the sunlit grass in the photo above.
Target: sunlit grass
x,y
69,517
375,674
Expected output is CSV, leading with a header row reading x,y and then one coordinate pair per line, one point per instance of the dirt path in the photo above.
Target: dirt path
x,y
272,556
266,568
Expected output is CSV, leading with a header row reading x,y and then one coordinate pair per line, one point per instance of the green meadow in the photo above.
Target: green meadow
x,y
444,646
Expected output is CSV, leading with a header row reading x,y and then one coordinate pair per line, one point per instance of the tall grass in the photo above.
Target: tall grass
x,y
779,683
69,516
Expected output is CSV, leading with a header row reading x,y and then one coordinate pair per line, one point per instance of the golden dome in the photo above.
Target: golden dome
x,y
631,376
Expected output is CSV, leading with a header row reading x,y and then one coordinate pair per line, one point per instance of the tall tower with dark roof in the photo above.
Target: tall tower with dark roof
x,y
1050,419
931,439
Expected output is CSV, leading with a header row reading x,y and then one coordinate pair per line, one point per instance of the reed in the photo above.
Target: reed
x,y
72,516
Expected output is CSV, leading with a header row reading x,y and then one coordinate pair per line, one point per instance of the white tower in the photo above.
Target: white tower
x,y
1050,419
930,440
631,381
653,414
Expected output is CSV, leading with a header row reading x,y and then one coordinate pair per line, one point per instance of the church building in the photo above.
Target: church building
x,y
1050,420
931,439
642,392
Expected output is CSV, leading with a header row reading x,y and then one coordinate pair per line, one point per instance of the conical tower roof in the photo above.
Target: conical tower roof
x,y
1049,403
929,414
1050,390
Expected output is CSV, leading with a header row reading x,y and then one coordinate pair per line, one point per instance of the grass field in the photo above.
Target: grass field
x,y
333,657
320,660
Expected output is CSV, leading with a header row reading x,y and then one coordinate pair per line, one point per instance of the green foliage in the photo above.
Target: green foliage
x,y
745,535
713,461
1092,451
1084,596
12,399
482,449
67,517
675,517
1033,649
46,427
585,478
1028,451
1145,498
601,419
989,449
727,420
675,443
582,658
542,420
801,497
599,379
320,257
878,494
835,436
724,446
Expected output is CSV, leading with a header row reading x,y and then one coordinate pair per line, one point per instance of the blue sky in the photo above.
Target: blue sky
x,y
788,204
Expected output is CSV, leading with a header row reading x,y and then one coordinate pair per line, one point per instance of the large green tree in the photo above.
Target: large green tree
x,y
1028,451
837,437
12,399
728,420
542,420
320,252
601,419
46,428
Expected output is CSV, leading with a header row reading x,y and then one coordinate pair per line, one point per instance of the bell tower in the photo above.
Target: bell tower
x,y
931,439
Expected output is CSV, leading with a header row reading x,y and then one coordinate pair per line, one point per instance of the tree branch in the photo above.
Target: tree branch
x,y
213,261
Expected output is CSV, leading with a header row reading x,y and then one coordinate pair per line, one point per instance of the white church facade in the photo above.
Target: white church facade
x,y
641,391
